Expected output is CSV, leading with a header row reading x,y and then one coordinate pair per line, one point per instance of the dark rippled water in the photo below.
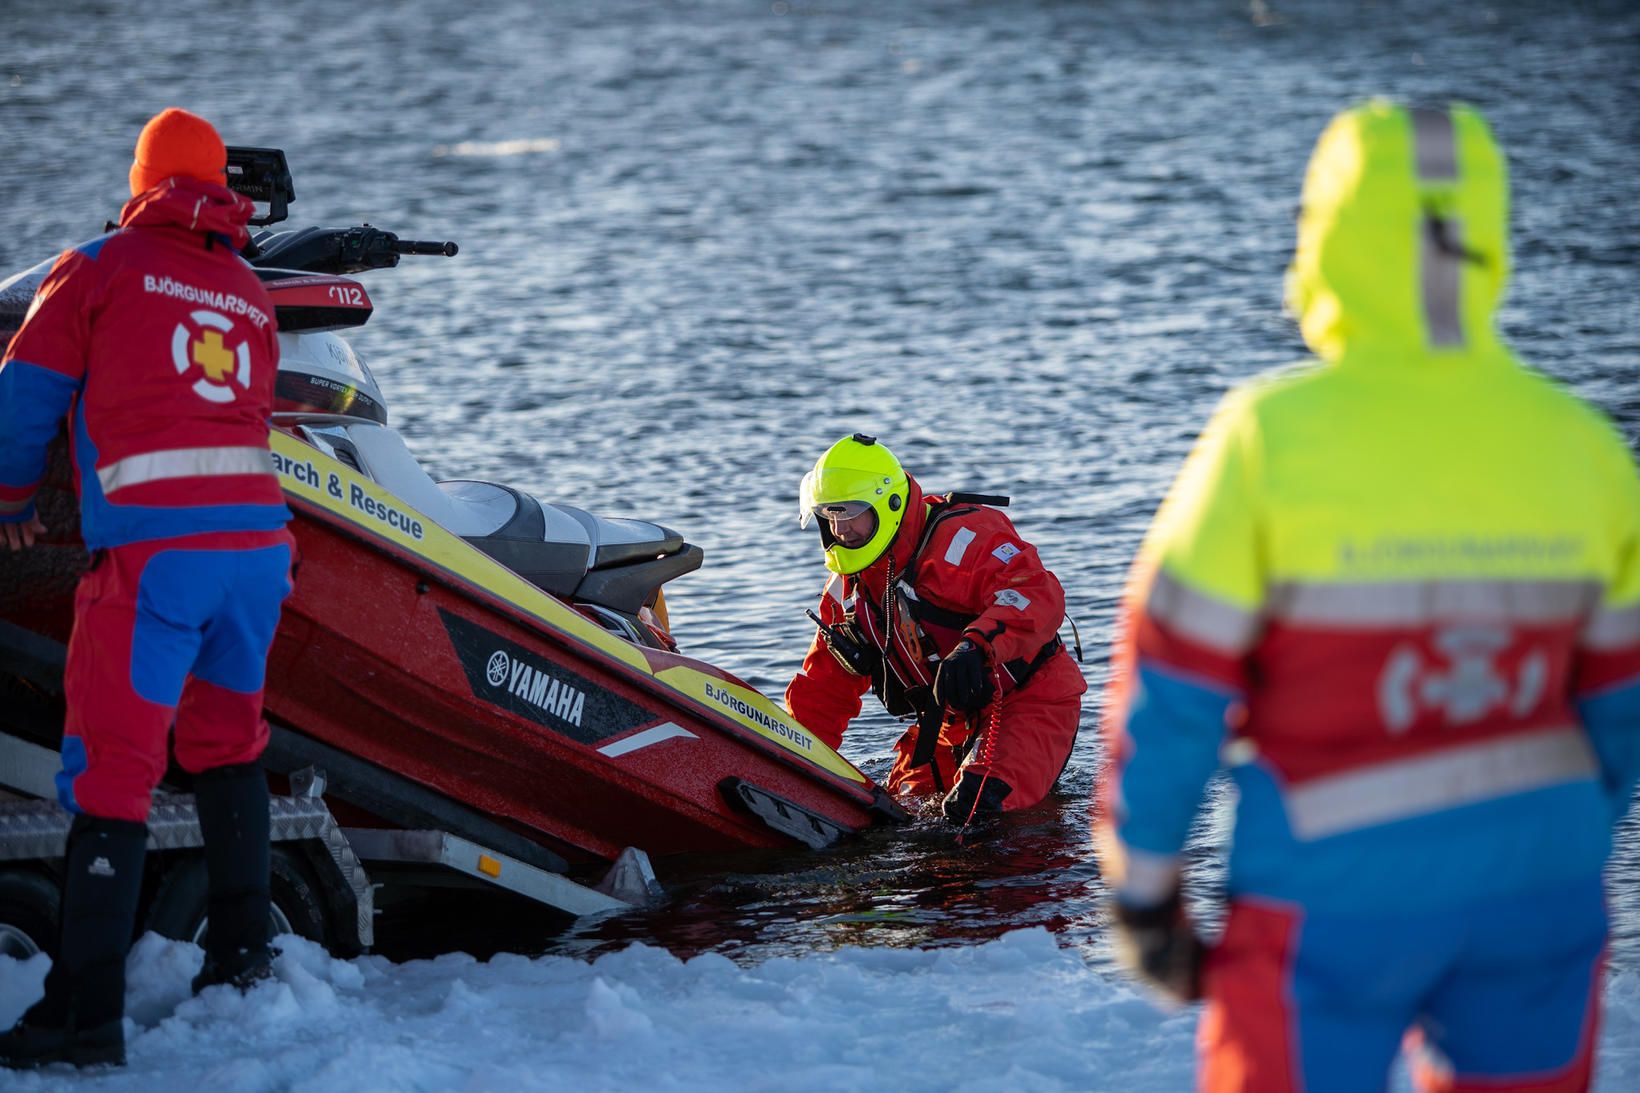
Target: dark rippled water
x,y
1028,244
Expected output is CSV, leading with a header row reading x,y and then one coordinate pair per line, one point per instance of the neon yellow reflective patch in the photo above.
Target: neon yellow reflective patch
x,y
761,715
1388,469
309,474
1373,474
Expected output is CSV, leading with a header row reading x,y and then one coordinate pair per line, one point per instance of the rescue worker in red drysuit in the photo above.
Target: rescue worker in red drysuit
x,y
957,621
158,341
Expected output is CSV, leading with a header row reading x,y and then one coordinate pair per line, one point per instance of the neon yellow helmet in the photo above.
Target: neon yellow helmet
x,y
856,476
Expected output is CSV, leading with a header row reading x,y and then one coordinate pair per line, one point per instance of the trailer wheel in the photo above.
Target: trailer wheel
x,y
29,907
179,907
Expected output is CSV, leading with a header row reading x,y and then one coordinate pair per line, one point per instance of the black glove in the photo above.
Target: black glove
x,y
963,682
1159,946
959,805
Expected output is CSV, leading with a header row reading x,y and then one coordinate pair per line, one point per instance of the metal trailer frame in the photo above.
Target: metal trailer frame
x,y
37,831
441,848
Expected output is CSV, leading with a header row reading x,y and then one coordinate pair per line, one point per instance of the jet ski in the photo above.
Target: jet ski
x,y
462,648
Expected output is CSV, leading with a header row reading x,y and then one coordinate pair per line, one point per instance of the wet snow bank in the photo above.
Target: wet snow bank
x,y
1018,1013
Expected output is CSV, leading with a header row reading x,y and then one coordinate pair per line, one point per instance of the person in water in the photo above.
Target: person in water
x,y
159,339
937,604
1396,594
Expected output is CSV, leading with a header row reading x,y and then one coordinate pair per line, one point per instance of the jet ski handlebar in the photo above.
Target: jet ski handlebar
x,y
415,246
263,175
339,250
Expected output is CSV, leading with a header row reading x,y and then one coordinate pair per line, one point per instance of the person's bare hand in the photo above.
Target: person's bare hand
x,y
19,536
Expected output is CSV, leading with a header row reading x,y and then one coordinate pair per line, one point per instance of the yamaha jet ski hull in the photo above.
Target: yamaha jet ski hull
x,y
409,648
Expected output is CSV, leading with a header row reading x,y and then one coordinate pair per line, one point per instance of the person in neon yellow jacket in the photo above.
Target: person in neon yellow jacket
x,y
1396,593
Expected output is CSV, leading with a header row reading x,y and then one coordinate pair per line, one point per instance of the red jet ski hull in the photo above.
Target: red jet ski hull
x,y
408,649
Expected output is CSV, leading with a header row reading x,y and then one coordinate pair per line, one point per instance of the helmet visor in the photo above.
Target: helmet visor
x,y
851,523
836,511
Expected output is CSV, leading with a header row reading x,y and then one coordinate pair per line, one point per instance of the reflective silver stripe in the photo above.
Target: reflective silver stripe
x,y
1429,783
1214,623
1612,628
16,506
1434,144
959,546
184,463
638,741
1440,261
1440,271
1420,603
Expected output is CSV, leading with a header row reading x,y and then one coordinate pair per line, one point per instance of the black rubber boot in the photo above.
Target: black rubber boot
x,y
233,816
79,1019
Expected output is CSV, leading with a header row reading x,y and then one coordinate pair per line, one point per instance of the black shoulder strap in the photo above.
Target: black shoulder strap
x,y
994,500
938,511
923,611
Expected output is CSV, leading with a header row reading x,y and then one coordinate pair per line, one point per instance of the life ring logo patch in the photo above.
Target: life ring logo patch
x,y
204,342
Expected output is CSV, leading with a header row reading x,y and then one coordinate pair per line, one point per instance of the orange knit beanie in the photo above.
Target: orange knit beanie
x,y
175,142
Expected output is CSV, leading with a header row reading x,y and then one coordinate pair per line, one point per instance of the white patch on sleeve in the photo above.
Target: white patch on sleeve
x,y
1009,597
959,546
1005,553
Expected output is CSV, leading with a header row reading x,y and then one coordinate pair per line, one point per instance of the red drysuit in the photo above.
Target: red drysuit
x,y
955,571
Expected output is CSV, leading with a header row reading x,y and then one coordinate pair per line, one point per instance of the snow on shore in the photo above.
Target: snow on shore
x,y
1018,1013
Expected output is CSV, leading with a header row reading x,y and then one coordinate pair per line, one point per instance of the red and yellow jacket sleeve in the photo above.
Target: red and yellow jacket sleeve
x,y
39,376
824,696
1191,615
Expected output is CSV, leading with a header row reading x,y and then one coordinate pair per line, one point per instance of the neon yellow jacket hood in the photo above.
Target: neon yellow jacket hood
x,y
1403,235
1419,439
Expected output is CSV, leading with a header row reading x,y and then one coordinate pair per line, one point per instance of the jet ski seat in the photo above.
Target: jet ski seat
x,y
562,549
531,535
